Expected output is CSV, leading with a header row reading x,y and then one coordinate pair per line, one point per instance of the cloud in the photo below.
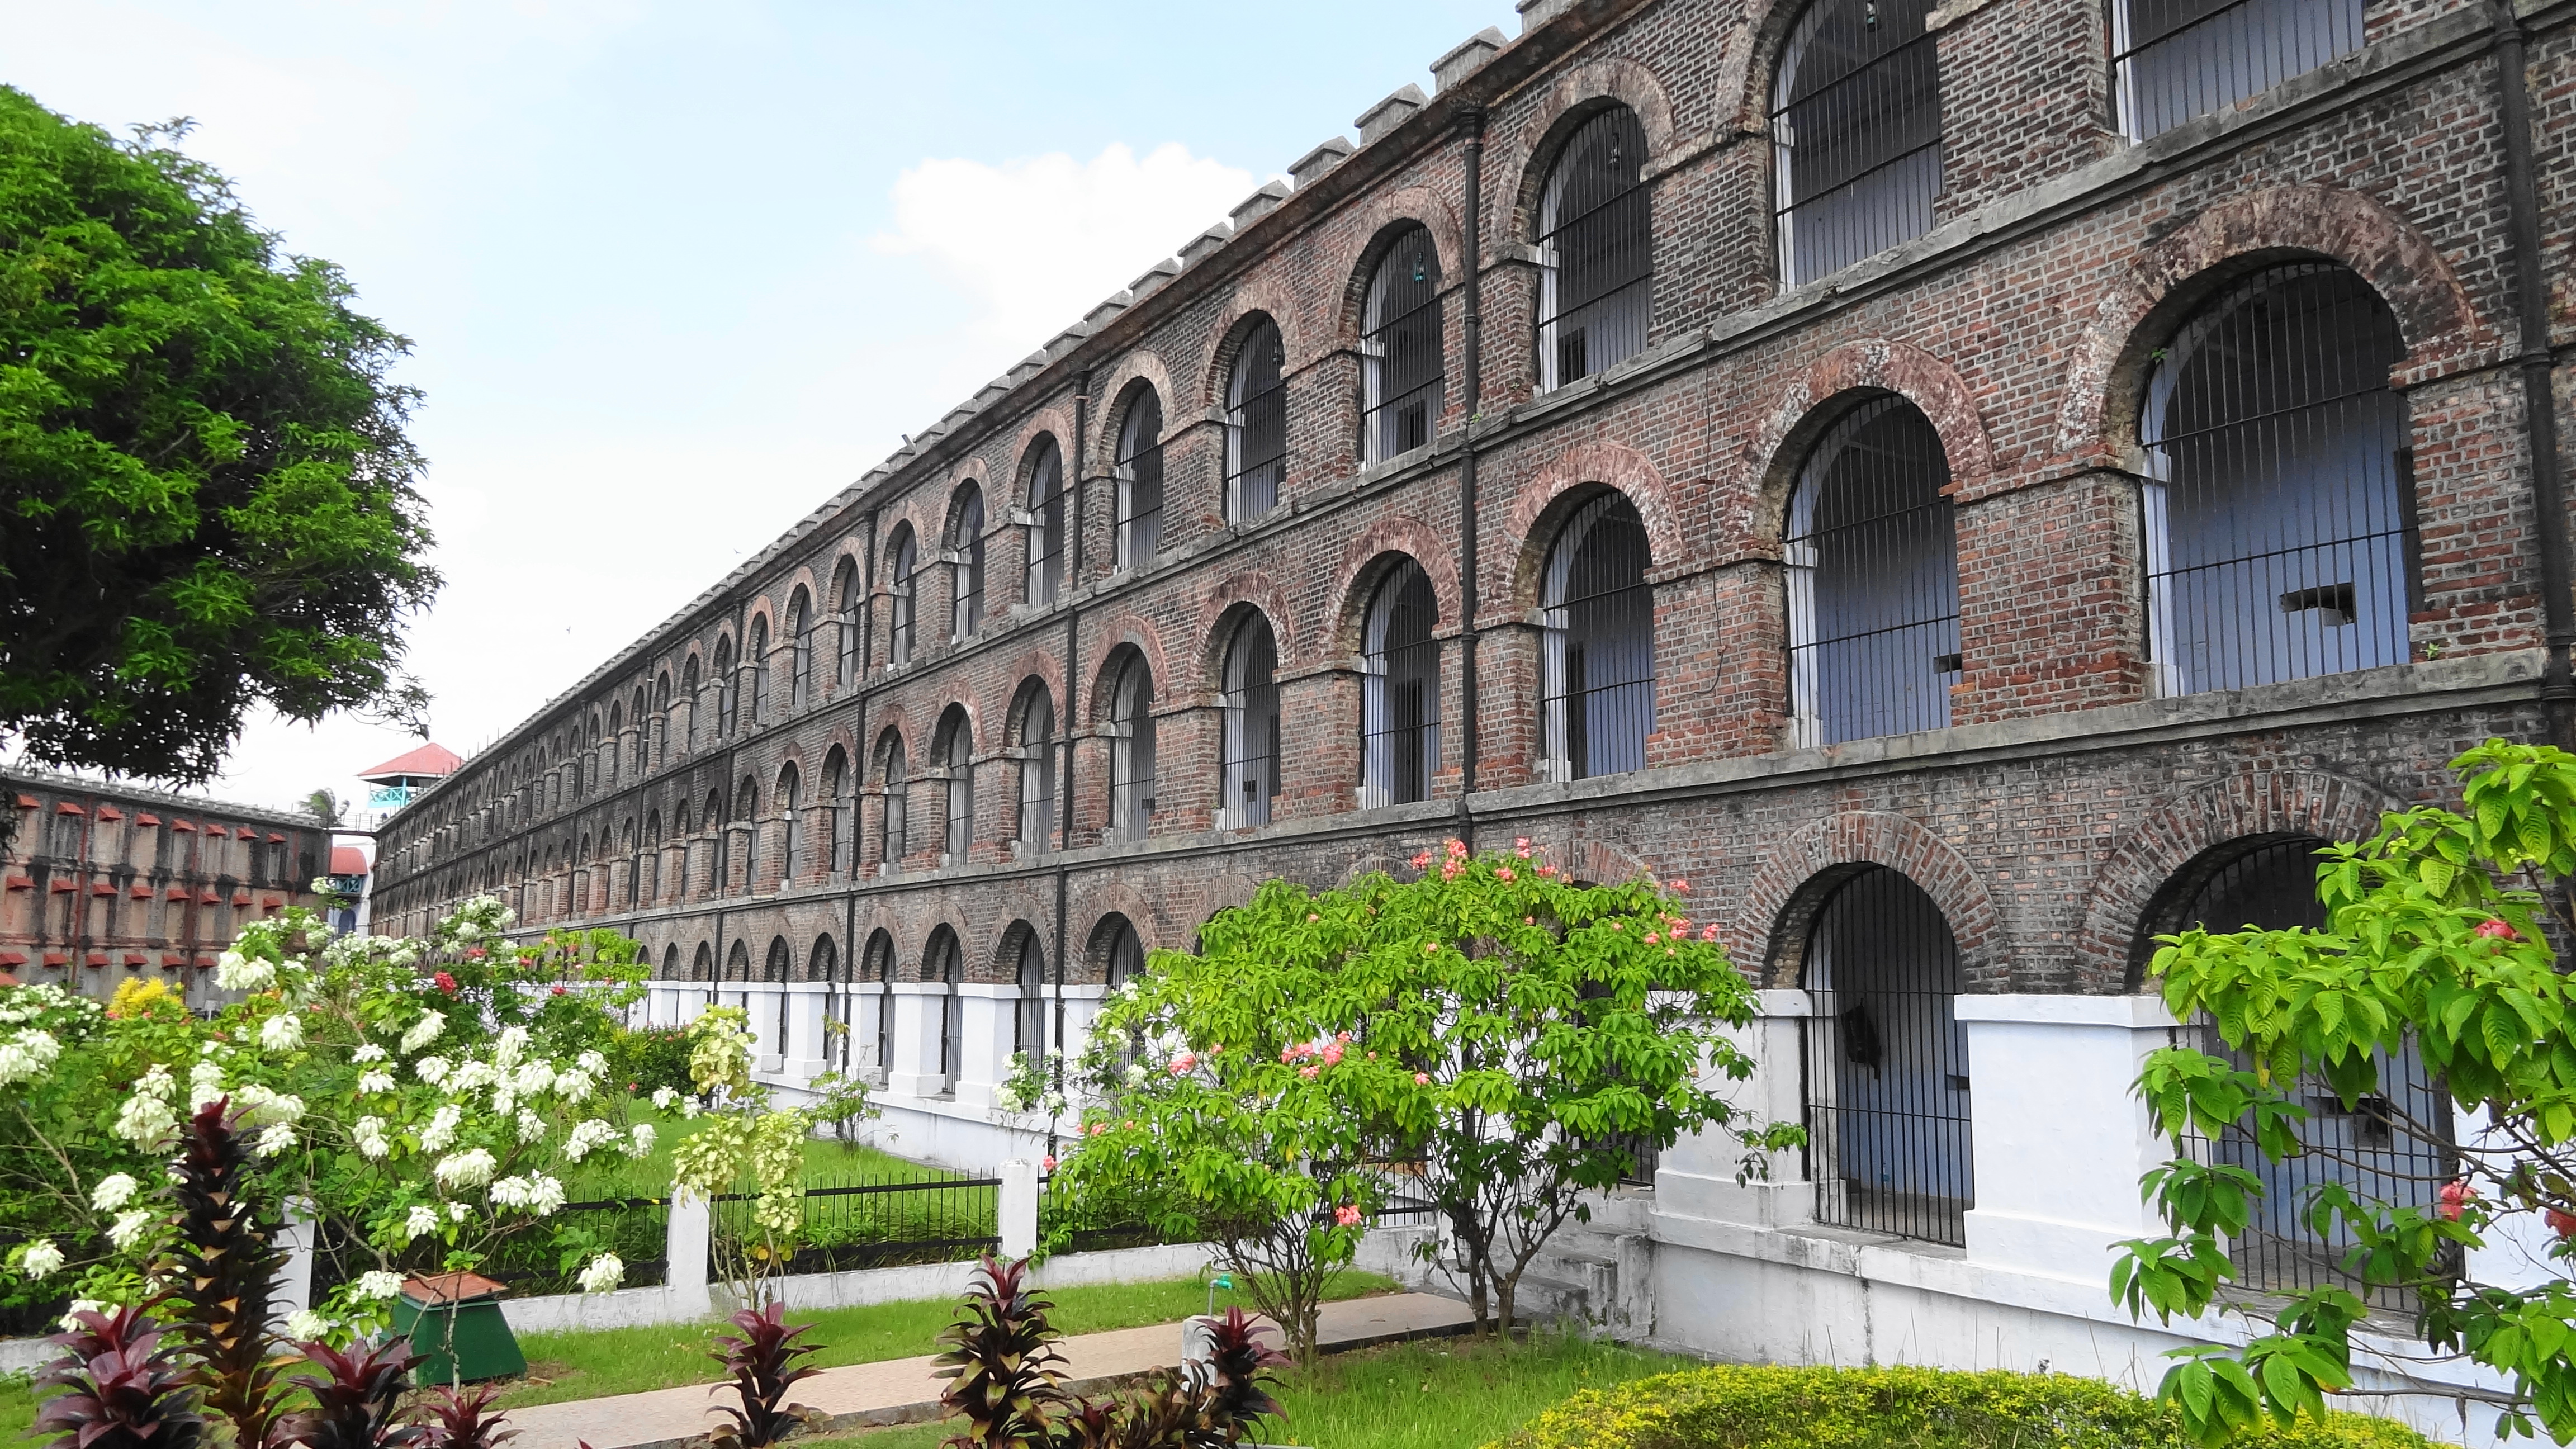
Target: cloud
x,y
1035,243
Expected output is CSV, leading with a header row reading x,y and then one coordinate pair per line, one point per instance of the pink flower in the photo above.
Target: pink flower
x,y
475,953
558,991
1682,886
1220,1046
1341,1036
2454,1194
1529,920
1333,1055
2495,930
1430,946
1545,869
1653,940
1708,932
1422,861
1521,844
1422,1079
1309,1073
1312,918
1183,1063
1504,874
445,982
1348,1215
1130,1124
1618,925
1099,1129
1457,849
1047,1163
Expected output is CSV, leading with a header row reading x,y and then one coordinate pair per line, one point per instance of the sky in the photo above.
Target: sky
x,y
675,273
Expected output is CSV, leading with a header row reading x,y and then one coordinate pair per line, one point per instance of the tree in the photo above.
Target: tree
x,y
1493,1035
2433,940
206,494
324,807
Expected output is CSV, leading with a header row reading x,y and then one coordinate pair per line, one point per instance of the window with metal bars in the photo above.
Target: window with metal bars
x,y
1029,1013
1121,954
836,794
1871,560
845,589
1855,134
878,966
2279,511
1596,250
758,660
1131,751
1598,643
728,698
1256,424
1249,758
747,825
823,963
1037,769
800,657
966,605
1140,480
893,830
2176,59
1046,523
957,755
907,558
2392,1145
776,971
944,963
650,867
1400,690
1886,1063
1400,349
791,827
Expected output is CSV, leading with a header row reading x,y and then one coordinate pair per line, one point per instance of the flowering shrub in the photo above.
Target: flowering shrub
x,y
745,1146
430,1124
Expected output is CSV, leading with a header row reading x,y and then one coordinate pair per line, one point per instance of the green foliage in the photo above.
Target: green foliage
x,y
1005,1377
840,1103
762,1364
1508,1029
2433,939
743,1145
206,494
1745,1407
646,1059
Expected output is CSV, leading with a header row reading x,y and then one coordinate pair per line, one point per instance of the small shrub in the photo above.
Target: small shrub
x,y
1744,1407
763,1364
648,1058
118,1388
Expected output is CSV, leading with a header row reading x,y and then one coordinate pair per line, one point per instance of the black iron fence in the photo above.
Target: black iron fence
x,y
882,1224
544,1258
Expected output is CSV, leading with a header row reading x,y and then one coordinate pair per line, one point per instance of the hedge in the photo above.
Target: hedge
x,y
1747,1407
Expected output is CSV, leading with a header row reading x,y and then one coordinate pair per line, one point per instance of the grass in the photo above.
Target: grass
x,y
828,1163
598,1362
1436,1394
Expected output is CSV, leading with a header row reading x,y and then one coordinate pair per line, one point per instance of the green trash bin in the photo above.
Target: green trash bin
x,y
457,1314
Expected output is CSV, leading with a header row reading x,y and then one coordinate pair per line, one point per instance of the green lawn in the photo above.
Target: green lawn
x,y
1437,1394
595,1363
828,1163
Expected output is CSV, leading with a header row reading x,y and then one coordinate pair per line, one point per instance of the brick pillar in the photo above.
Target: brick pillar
x,y
2050,613
1189,738
1319,742
1508,709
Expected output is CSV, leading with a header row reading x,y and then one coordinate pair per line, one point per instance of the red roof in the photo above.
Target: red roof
x,y
429,759
348,860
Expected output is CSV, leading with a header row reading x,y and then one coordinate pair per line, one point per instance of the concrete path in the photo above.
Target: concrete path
x,y
906,1390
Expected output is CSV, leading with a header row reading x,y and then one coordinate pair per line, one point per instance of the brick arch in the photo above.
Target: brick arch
x,y
2186,824
956,505
1121,629
1365,241
1053,423
1249,588
1799,873
1021,907
1356,577
1042,665
855,554
1263,295
897,717
1578,95
1225,893
1746,62
1811,401
1541,502
1113,897
2337,223
801,577
1144,365
974,720
1603,863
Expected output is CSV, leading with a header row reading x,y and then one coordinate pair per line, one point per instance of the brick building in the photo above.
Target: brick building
x,y
1966,488
106,882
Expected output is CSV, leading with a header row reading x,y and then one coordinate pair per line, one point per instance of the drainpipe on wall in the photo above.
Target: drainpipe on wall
x,y
1072,662
2539,408
1472,121
851,949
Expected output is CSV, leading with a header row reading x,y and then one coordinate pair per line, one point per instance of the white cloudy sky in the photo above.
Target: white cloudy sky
x,y
675,272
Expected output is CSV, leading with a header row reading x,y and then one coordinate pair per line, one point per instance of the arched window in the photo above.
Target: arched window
x,y
1249,754
1256,424
823,963
746,806
1596,250
671,961
615,740
1598,643
2278,518
1121,951
1037,767
800,658
879,967
759,662
2177,59
1887,1063
1140,480
738,968
957,763
634,867
689,696
719,849
1046,523
1131,750
966,608
1028,1020
945,964
899,632
1855,134
791,824
1400,349
2373,1148
728,690
1399,690
704,967
776,971
894,840
1872,563
836,795
845,593
652,862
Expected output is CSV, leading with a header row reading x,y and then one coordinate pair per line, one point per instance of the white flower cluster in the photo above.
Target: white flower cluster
x,y
40,1259
262,1107
375,1082
205,1082
441,1131
419,1223
369,1135
424,1031
237,972
640,1144
276,1138
432,1070
663,1097
531,1126
471,1168
27,1003
377,1285
304,1325
538,1194
369,1052
602,1273
27,1056
283,1032
113,1191
147,1119
588,1136
129,1228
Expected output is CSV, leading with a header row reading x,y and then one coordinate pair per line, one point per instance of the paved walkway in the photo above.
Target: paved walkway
x,y
906,1390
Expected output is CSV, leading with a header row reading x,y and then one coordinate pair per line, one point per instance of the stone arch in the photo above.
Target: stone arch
x,y
1375,225
1010,681
1250,589
958,491
1117,392
1579,94
1557,489
2186,824
1048,424
2411,276
1826,389
1605,863
1261,295
1121,631
1365,560
1747,63
1800,872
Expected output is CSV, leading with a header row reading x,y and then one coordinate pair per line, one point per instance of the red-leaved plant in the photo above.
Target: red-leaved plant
x,y
356,1399
452,1420
119,1388
763,1364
